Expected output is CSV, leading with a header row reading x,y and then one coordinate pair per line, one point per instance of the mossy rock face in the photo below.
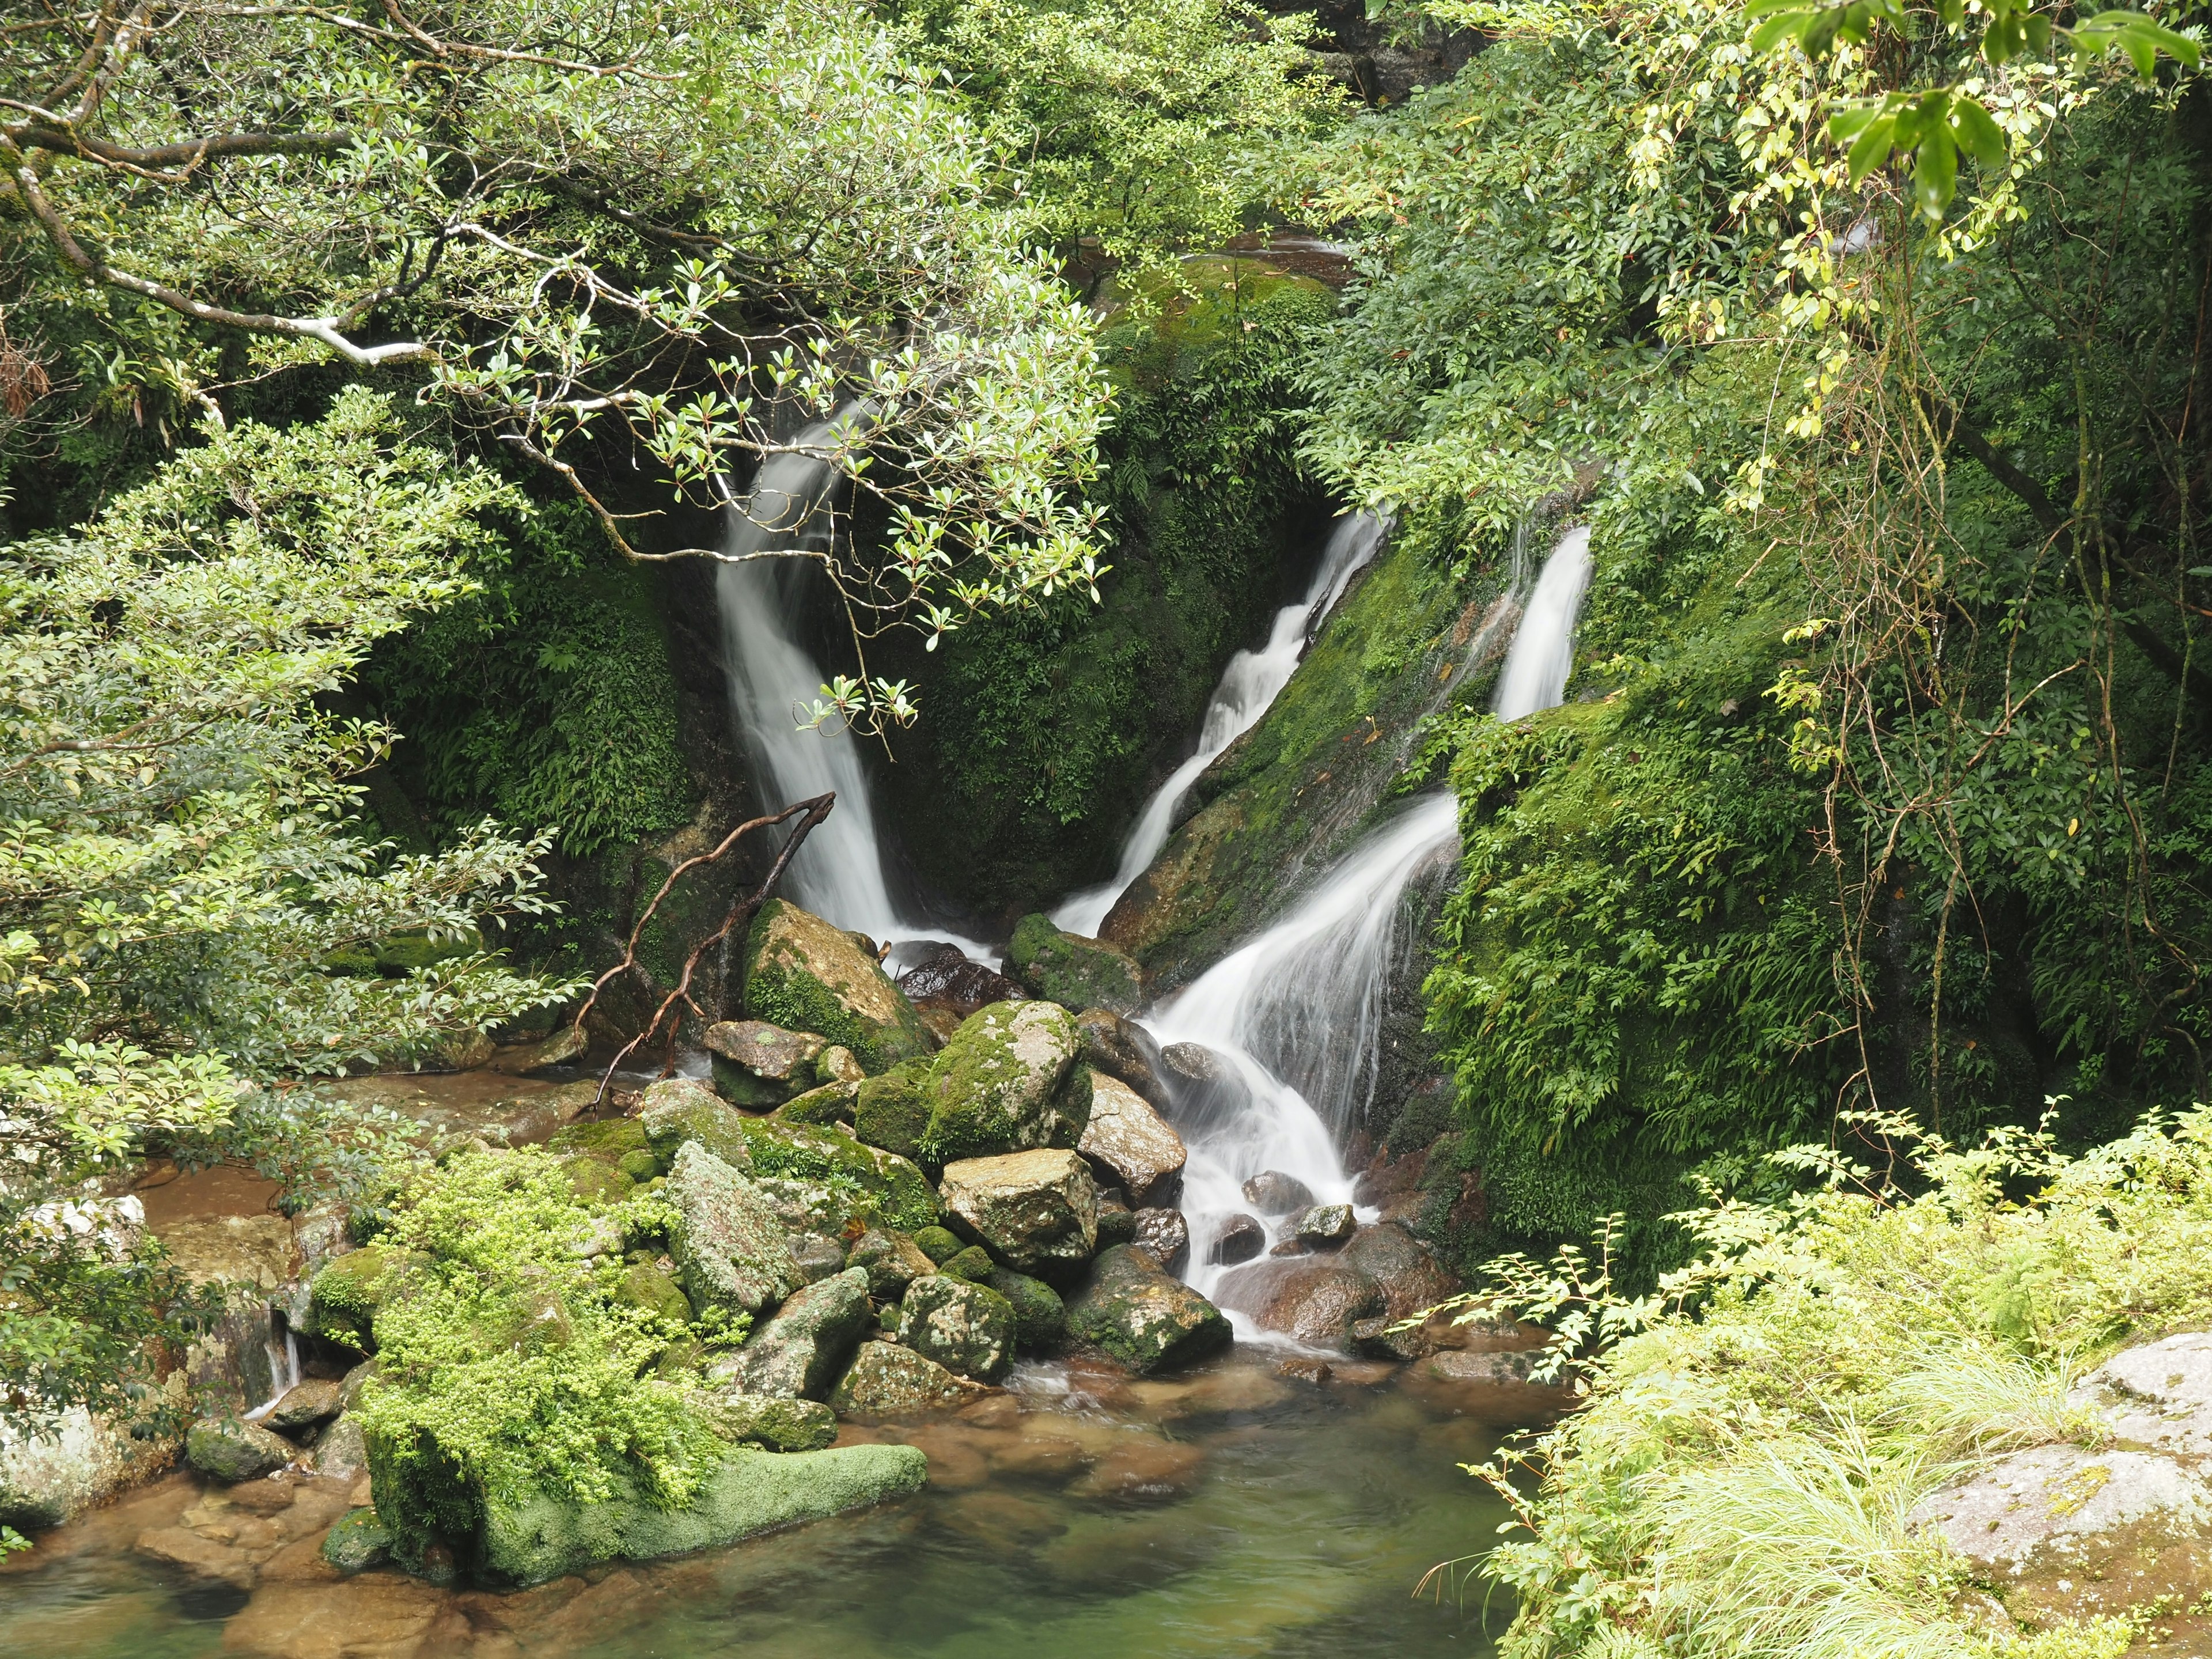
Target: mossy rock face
x,y
1008,1082
780,1426
864,1182
609,1138
833,1103
1040,1317
596,1180
1142,1317
645,1287
1078,972
761,1066
358,1542
891,1260
805,975
531,1538
939,1245
681,1108
404,953
892,1110
886,1380
729,1244
967,1328
348,1292
973,1264
227,1450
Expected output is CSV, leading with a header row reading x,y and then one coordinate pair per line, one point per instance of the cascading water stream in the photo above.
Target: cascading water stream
x,y
1297,1011
839,871
1248,686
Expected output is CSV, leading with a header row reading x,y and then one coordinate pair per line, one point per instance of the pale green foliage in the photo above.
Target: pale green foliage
x,y
1740,1478
1135,125
176,861
505,1360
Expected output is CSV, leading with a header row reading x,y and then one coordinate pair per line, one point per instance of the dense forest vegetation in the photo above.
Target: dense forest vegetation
x,y
373,379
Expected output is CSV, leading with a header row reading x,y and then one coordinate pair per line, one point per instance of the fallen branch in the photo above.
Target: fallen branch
x,y
741,910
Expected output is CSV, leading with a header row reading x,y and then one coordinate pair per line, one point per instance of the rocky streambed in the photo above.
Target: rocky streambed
x,y
914,1257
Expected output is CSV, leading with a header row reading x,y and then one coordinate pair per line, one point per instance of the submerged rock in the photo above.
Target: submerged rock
x,y
887,1380
805,975
1122,1048
728,1244
759,1065
357,1543
800,1352
967,1328
1165,1236
1239,1239
780,1424
1273,1192
1133,1142
1081,973
537,1537
1035,1209
229,1449
1008,1082
1141,1316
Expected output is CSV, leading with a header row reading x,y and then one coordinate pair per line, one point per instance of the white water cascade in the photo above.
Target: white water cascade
x,y
839,871
1297,1011
1248,686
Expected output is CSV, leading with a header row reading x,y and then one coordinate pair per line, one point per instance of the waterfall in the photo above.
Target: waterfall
x,y
1297,1011
283,1370
839,872
1248,686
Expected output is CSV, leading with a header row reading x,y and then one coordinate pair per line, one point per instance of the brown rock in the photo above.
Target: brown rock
x,y
1412,1278
1315,1298
1142,1469
377,1615
1040,1455
1000,1520
1490,1387
564,1048
1132,1142
1165,1235
305,1404
948,977
1238,1239
1125,1050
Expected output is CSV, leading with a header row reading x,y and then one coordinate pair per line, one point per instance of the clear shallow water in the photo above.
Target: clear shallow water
x,y
1235,1512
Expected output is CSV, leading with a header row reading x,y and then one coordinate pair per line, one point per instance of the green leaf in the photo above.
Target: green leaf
x,y
1976,133
1872,147
1935,174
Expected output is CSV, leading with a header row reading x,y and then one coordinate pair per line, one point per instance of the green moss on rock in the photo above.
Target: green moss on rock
x,y
892,1110
1040,1317
1076,972
346,1293
1003,1083
973,1264
609,1138
882,1185
805,975
939,1245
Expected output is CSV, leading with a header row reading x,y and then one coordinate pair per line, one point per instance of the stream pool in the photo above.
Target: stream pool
x,y
1235,1510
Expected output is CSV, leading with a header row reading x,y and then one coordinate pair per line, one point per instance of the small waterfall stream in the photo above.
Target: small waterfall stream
x,y
1298,1011
839,871
1248,686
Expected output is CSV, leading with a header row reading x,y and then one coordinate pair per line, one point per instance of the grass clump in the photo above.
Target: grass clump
x,y
509,1364
1757,1434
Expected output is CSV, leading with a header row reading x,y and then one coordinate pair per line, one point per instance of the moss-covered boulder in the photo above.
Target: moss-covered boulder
x,y
805,975
1034,1210
830,1102
759,1065
892,1110
1008,1082
228,1449
892,1262
800,1352
939,1245
1066,968
967,1328
887,1380
1040,1316
358,1542
1143,1318
778,1423
730,1248
612,1139
645,1287
856,1182
680,1108
973,1264
530,1538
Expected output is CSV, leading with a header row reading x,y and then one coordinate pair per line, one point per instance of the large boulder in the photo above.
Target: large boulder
x,y
967,1328
892,1112
887,1380
1412,1278
1126,1137
1033,1210
1082,973
1273,1192
759,1065
798,1353
1207,1089
892,1262
824,1171
53,1470
228,1449
1316,1298
680,1108
1124,1049
531,1538
729,1245
1008,1081
1040,1316
950,978
805,975
1143,1318
779,1422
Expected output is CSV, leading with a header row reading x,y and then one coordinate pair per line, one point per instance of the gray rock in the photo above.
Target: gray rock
x,y
1273,1192
1035,1209
1132,1142
680,1108
227,1448
818,1256
1238,1239
1124,1049
1007,1081
798,1353
81,1460
305,1405
889,1380
2157,1397
1165,1235
1142,1317
2056,1500
341,1450
967,1328
1325,1226
729,1247
760,1064
839,1065
781,1424
893,1261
